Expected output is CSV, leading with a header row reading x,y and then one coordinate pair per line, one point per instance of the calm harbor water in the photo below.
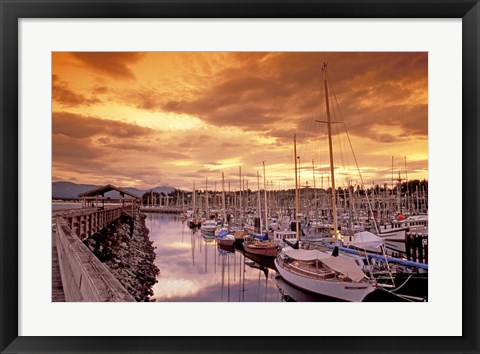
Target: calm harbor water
x,y
193,269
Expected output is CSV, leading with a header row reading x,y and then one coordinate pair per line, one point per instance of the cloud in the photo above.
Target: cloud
x,y
212,112
113,64
63,95
80,126
286,89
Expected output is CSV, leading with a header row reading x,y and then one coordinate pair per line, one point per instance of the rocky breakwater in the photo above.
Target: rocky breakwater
x,y
128,252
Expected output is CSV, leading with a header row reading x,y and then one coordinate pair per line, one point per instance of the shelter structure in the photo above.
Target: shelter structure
x,y
97,197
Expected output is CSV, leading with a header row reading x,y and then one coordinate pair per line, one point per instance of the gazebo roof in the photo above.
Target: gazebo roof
x,y
104,189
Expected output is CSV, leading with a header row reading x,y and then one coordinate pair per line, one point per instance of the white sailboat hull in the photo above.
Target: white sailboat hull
x,y
348,291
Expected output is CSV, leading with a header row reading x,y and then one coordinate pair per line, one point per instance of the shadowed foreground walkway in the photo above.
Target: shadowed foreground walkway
x,y
57,288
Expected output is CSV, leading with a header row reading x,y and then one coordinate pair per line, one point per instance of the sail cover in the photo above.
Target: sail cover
x,y
345,265
368,241
305,255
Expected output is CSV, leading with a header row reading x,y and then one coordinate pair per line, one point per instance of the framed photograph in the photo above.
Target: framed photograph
x,y
239,177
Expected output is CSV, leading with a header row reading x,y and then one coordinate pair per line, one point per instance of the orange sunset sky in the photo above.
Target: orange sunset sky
x,y
167,119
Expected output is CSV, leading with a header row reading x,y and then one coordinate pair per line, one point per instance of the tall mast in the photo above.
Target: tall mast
x,y
314,187
193,202
259,205
206,197
223,198
296,187
240,178
330,148
265,192
299,179
406,182
215,205
393,187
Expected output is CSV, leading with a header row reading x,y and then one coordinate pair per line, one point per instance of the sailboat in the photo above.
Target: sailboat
x,y
321,272
260,244
193,221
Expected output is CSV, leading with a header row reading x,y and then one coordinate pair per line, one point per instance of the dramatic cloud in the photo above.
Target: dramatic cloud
x,y
175,117
78,126
113,64
68,98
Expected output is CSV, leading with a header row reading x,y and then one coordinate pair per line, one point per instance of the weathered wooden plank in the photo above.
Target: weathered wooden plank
x,y
84,277
57,287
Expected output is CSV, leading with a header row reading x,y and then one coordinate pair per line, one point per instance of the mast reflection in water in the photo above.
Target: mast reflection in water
x,y
194,269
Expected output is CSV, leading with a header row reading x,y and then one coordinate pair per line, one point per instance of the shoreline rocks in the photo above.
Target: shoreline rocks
x,y
126,249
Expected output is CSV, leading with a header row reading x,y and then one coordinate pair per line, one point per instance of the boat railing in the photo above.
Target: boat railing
x,y
316,273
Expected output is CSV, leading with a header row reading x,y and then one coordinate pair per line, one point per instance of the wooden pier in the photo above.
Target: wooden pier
x,y
83,277
57,288
85,222
77,274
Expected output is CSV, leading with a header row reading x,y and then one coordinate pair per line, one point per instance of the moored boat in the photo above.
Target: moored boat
x,y
321,273
208,227
262,247
225,238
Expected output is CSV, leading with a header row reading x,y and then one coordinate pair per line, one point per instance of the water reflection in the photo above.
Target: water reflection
x,y
193,268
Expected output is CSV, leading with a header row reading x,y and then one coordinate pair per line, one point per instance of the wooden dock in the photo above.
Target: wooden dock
x,y
57,288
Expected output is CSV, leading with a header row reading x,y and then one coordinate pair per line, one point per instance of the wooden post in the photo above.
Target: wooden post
x,y
408,247
426,251
420,247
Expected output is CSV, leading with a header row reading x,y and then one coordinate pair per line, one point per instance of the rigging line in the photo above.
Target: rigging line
x,y
401,286
392,293
316,107
355,159
342,150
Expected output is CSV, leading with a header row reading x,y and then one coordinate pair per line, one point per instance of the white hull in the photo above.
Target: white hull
x,y
208,228
348,291
208,232
395,240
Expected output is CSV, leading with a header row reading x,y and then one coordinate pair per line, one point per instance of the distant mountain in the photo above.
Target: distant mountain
x,y
70,190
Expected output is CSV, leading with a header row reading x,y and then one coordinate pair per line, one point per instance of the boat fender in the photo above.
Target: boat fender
x,y
335,252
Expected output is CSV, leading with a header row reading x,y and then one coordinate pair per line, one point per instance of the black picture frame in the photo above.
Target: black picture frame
x,y
12,11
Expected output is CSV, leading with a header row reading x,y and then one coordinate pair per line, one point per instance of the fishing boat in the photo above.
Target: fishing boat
x,y
279,237
395,233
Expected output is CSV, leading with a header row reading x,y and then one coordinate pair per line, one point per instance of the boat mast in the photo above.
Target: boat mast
x,y
206,197
240,180
393,187
296,188
193,201
406,182
259,205
223,198
265,192
314,189
330,148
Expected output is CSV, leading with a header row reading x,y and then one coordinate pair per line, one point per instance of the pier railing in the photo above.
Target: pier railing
x,y
86,221
84,277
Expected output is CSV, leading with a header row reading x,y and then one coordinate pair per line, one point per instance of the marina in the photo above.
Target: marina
x,y
326,203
